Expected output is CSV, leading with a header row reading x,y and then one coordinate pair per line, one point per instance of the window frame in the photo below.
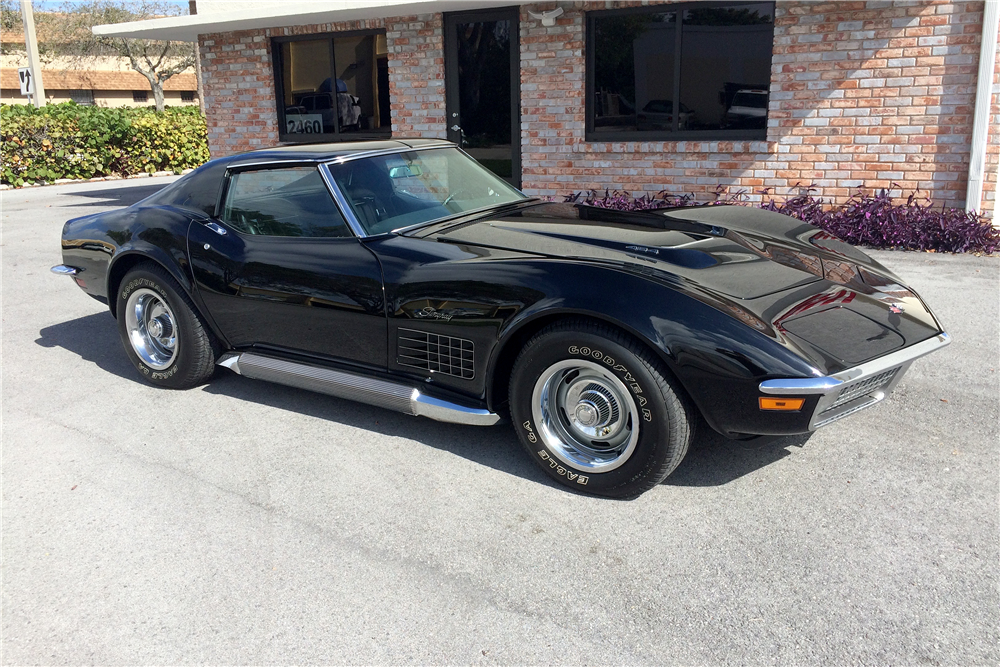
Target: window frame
x,y
279,89
140,97
590,136
227,181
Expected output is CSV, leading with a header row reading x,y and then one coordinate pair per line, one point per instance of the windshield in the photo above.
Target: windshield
x,y
388,192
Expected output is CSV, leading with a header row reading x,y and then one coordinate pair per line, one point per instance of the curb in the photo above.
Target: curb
x,y
96,179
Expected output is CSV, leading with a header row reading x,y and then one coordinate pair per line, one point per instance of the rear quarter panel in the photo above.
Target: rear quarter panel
x,y
103,245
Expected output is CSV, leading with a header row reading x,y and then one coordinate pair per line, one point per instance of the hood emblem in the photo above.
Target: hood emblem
x,y
895,309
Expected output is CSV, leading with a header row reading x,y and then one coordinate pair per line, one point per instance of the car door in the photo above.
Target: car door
x,y
279,268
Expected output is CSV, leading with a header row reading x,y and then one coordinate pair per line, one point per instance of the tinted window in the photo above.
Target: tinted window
x,y
282,202
645,63
333,85
753,100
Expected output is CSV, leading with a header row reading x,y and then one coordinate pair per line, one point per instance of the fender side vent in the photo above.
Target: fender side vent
x,y
436,354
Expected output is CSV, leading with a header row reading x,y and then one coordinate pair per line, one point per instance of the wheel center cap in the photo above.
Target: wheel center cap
x,y
586,414
160,327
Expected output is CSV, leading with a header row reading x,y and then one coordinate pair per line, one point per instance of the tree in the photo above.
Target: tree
x,y
155,60
10,23
10,16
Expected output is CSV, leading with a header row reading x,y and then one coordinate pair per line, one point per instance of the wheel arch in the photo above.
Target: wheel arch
x,y
513,341
125,261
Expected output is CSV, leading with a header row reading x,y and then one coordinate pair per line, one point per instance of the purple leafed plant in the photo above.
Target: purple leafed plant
x,y
622,201
868,219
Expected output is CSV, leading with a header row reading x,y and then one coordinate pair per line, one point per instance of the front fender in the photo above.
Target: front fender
x,y
718,359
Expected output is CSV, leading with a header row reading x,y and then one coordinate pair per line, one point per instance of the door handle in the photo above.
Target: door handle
x,y
217,228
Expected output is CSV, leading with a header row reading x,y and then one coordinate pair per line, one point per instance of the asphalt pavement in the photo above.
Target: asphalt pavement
x,y
249,523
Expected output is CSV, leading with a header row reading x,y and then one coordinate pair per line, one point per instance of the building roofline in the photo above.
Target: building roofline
x,y
298,12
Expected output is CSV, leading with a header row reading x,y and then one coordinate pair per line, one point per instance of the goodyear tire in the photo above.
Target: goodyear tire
x,y
162,333
598,411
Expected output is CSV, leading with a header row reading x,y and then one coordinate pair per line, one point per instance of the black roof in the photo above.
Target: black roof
x,y
200,190
327,152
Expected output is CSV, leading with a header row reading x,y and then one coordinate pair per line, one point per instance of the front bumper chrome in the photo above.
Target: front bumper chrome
x,y
857,388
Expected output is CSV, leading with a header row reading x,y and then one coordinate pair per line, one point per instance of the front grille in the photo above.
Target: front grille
x,y
436,353
832,415
864,387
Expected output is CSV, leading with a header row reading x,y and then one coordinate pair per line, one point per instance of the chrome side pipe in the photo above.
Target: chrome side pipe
x,y
373,391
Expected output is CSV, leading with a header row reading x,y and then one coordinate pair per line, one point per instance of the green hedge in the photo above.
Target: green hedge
x,y
72,141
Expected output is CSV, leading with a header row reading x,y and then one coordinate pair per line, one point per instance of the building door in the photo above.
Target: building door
x,y
482,76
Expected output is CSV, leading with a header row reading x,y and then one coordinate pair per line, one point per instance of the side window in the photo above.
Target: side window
x,y
282,202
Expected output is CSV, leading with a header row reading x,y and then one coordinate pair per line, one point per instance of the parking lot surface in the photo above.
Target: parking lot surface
x,y
243,522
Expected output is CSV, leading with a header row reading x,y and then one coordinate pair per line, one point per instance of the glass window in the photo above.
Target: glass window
x,y
82,97
388,192
282,202
693,71
333,85
140,96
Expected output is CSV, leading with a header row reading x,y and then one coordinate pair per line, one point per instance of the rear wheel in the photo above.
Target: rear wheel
x,y
162,333
597,411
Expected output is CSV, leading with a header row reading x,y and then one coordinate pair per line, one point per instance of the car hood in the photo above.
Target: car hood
x,y
737,251
785,278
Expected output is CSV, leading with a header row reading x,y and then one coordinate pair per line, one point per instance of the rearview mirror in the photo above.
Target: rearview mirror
x,y
405,172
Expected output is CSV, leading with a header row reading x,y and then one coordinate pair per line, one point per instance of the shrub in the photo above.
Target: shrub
x,y
869,219
72,141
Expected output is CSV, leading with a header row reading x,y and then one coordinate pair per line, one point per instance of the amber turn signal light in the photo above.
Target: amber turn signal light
x,y
787,404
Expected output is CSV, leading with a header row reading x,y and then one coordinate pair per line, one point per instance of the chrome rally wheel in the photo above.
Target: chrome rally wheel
x,y
597,410
152,328
585,415
163,334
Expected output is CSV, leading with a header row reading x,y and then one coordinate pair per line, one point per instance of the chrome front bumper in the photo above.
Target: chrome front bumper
x,y
846,392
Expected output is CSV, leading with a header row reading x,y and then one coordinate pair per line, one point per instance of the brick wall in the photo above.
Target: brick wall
x,y
416,76
240,109
862,94
240,106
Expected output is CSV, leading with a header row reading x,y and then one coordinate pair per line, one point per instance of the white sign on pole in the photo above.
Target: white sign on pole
x,y
24,76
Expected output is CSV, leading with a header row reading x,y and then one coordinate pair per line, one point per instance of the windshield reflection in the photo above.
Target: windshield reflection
x,y
388,192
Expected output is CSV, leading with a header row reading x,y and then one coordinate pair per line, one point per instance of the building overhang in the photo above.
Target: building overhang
x,y
187,28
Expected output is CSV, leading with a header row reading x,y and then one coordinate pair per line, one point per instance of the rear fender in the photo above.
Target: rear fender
x,y
161,237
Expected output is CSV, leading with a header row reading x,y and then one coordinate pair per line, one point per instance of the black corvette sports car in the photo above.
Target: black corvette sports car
x,y
404,274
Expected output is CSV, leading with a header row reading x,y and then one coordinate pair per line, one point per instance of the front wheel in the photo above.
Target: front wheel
x,y
597,411
161,331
